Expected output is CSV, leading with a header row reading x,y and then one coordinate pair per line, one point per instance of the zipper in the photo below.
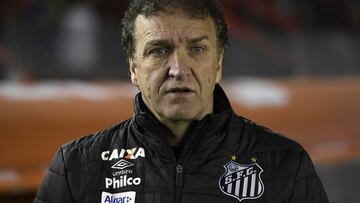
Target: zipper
x,y
179,168
179,181
179,175
184,156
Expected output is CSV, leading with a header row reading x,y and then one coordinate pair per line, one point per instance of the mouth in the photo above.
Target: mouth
x,y
179,90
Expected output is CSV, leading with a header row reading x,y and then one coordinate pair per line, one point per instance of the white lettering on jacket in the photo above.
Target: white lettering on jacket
x,y
133,153
123,197
122,181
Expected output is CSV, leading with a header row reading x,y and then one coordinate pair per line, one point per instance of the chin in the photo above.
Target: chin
x,y
181,112
181,115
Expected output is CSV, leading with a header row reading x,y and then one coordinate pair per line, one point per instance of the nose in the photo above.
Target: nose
x,y
179,65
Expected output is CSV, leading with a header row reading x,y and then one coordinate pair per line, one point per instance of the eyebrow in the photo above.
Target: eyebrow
x,y
198,39
156,42
165,42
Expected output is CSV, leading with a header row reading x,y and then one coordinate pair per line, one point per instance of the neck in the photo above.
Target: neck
x,y
178,129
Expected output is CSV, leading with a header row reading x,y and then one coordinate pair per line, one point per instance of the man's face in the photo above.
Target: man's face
x,y
176,64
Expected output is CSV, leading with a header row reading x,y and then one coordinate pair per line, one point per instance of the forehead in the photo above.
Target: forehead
x,y
174,25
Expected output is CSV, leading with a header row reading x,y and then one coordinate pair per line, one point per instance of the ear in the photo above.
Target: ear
x,y
219,66
133,74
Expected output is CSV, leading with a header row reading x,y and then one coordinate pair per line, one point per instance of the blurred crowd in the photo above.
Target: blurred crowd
x,y
62,39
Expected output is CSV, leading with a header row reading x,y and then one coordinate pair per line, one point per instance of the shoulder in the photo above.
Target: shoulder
x,y
262,139
88,149
274,151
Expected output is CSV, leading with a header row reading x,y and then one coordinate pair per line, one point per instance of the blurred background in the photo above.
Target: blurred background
x,y
293,65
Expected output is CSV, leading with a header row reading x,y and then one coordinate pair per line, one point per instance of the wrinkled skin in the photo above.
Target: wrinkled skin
x,y
176,65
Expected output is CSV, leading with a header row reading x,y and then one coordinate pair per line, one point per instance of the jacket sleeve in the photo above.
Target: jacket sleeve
x,y
308,187
54,187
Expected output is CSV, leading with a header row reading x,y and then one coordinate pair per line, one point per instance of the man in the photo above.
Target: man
x,y
184,143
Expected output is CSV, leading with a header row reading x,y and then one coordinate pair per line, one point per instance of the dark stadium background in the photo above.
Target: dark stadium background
x,y
293,65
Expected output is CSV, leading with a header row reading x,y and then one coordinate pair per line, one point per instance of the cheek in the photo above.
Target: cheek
x,y
209,72
155,62
152,80
147,82
208,64
209,77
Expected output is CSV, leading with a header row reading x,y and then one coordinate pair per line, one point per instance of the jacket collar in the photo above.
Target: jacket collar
x,y
208,132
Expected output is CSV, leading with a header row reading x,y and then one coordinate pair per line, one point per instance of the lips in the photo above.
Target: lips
x,y
180,90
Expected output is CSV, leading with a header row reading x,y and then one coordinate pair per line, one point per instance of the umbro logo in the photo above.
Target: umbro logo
x,y
122,164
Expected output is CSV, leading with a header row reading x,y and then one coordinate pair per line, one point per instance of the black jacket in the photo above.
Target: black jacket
x,y
226,158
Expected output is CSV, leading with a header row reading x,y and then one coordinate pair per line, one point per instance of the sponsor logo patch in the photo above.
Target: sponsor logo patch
x,y
123,197
122,164
121,181
122,172
242,181
133,153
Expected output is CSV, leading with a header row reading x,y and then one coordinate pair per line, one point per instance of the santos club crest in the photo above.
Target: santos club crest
x,y
242,181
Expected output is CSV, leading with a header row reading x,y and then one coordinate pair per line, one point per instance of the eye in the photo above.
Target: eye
x,y
159,51
197,49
